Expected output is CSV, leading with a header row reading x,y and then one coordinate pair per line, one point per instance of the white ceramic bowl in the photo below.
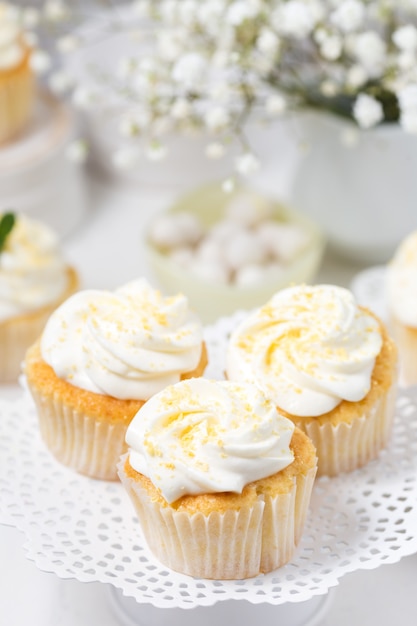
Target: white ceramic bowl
x,y
212,300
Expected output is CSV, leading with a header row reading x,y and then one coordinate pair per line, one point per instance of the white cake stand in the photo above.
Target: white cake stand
x,y
81,528
36,175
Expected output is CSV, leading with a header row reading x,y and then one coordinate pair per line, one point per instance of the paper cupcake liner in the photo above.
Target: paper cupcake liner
x,y
16,101
346,447
284,520
17,334
231,545
406,339
85,444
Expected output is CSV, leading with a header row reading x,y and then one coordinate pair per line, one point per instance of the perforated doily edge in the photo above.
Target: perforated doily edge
x,y
331,581
223,595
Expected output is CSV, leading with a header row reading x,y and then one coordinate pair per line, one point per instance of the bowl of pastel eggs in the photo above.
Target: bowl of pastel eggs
x,y
231,251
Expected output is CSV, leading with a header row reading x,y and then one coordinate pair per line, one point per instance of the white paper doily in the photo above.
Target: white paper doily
x,y
86,529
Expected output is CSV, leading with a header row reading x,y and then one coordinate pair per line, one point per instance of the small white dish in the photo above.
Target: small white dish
x,y
212,300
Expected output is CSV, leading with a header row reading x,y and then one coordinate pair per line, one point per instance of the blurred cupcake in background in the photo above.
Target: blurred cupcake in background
x,y
34,280
401,297
17,84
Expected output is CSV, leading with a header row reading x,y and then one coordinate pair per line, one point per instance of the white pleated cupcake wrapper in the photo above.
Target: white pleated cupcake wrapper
x,y
231,545
86,444
346,447
15,338
16,97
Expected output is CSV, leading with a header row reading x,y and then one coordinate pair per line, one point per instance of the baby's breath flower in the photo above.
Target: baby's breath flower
x,y
128,126
356,77
181,109
349,15
189,70
84,97
247,164
367,111
40,61
241,10
268,42
329,88
295,18
214,65
370,50
331,47
217,118
56,10
408,121
405,37
275,104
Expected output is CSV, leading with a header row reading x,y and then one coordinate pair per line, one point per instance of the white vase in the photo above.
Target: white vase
x,y
360,186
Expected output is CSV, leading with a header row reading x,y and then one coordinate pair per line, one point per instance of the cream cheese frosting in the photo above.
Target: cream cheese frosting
x,y
12,48
128,344
402,282
33,272
308,348
203,436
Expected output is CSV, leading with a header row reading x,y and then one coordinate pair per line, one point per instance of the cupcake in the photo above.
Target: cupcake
x,y
401,297
101,355
34,280
16,77
220,481
329,366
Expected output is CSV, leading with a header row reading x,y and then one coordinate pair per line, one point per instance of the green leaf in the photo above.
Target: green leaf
x,y
7,222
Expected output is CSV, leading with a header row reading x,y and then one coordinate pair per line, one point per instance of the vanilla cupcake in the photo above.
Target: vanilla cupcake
x,y
401,297
220,481
329,366
34,280
101,356
17,84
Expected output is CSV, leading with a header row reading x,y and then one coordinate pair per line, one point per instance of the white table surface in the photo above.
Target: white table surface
x,y
107,250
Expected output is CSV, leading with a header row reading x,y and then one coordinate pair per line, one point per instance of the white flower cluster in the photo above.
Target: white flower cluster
x,y
245,248
208,65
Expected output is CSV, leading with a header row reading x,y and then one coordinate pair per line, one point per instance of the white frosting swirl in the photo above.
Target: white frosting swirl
x,y
402,282
128,344
33,272
204,436
308,348
12,49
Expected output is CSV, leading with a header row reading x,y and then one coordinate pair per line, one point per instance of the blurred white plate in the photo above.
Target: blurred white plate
x,y
368,287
